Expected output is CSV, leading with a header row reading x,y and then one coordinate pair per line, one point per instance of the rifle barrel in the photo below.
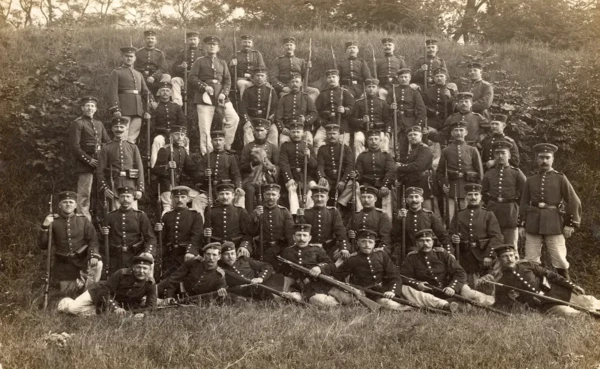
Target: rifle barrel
x,y
48,260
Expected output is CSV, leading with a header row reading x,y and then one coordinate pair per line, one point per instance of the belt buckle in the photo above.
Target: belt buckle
x,y
298,170
247,75
146,72
332,114
501,199
542,205
461,174
472,244
259,112
334,171
354,82
98,147
122,173
390,79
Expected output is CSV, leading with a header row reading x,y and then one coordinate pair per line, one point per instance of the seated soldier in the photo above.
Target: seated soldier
x,y
439,269
532,277
255,104
166,115
371,113
372,219
126,289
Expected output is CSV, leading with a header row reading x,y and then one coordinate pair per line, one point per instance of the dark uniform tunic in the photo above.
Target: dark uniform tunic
x,y
375,168
415,169
439,105
151,62
475,123
416,221
74,241
411,108
378,111
438,268
328,102
479,234
327,229
375,271
308,257
291,162
483,96
184,162
129,228
210,71
246,164
182,234
231,223
117,158
374,220
328,163
193,53
196,279
387,70
123,290
283,68
542,194
166,115
255,102
86,137
487,148
126,87
291,106
223,165
464,166
353,73
247,60
249,269
502,188
277,232
433,63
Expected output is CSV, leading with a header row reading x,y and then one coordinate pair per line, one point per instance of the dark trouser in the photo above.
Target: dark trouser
x,y
120,259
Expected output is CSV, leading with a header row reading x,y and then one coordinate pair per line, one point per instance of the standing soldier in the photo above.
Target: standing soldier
x,y
387,67
295,107
353,71
151,62
497,125
126,88
334,104
439,99
475,122
166,115
540,219
120,164
255,104
288,64
427,64
211,77
178,68
372,219
371,112
247,61
502,187
459,164
74,243
129,232
86,137
483,91
414,169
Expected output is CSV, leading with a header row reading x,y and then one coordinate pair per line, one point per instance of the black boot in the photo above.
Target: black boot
x,y
564,273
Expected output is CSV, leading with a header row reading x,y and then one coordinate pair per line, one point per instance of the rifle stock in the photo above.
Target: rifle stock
x,y
456,210
208,210
261,227
396,146
403,202
148,140
159,252
106,243
185,73
171,159
235,70
264,287
307,72
48,260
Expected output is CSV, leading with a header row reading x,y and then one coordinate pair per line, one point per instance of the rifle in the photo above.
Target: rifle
x,y
112,188
305,179
207,211
396,146
148,138
269,102
456,210
260,222
235,70
171,158
333,58
48,260
372,305
265,287
159,252
355,202
403,246
595,314
339,175
375,63
185,73
307,71
402,301
106,243
446,198
425,72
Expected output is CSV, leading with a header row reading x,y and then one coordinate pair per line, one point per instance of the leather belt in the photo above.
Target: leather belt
x,y
543,205
212,81
502,199
135,92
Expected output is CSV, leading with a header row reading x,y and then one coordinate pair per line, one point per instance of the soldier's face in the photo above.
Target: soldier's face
x,y
119,130
497,127
229,257
388,47
475,74
296,135
333,136
302,238
89,109
260,78
150,41
165,94
226,197
431,49
464,105
67,206
439,79
404,79
211,257
368,200
126,200
333,80
178,138
508,260
414,137
414,200
193,41
425,244
459,134
260,133
128,59
295,84
502,156
473,198
372,89
180,201
247,44
352,51
545,160
271,198
374,142
218,143
141,272
366,245
320,199
289,48
211,48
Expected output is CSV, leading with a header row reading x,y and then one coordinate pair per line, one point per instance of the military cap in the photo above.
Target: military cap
x,y
504,248
414,129
351,43
403,71
366,234
386,40
261,123
167,85
88,99
119,120
227,246
319,189
67,195
211,40
125,190
289,40
431,42
302,227
295,75
476,65
212,245
247,37
502,145
413,191
424,233
373,132
178,129
225,185
180,190
332,127
271,187
128,50
299,126
459,124
542,148
368,190
192,34
260,70
143,259
330,72
472,187
440,70
215,134
372,82
499,118
464,95
149,33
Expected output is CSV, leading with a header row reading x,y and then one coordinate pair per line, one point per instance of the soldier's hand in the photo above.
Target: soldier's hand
x,y
487,262
105,231
568,231
256,281
452,86
286,90
421,286
306,151
183,65
522,232
137,195
449,291
222,292
426,130
415,86
455,238
301,119
259,210
344,254
108,192
393,106
446,188
93,262
117,114
170,301
314,272
158,227
147,115
513,295
384,191
285,132
48,220
222,98
207,232
366,119
424,67
352,174
389,295
300,212
153,104
94,163
341,109
291,185
188,256
402,213
341,186
172,165
490,163
150,80
209,90
243,252
578,290
234,62
120,311
208,172
323,182
239,192
309,64
351,234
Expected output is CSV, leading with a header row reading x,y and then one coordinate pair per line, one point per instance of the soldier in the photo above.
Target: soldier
x,y
532,277
459,164
439,269
334,104
255,104
255,271
376,168
426,64
327,226
295,107
417,219
371,112
259,161
540,220
483,91
277,226
127,288
211,77
314,258
182,231
415,168
178,68
475,122
151,62
497,125
77,261
86,137
287,65
502,187
247,61
372,219
126,88
476,231
291,163
166,115
129,232
120,164
353,71
439,99
387,67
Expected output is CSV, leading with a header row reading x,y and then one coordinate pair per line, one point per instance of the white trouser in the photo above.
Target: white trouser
x,y
478,297
177,83
386,202
82,305
585,301
92,274
422,299
242,85
462,202
160,142
84,191
133,128
308,138
272,135
293,196
557,249
382,92
436,149
205,117
346,195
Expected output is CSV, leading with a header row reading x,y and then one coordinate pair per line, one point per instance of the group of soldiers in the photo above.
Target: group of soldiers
x,y
395,182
